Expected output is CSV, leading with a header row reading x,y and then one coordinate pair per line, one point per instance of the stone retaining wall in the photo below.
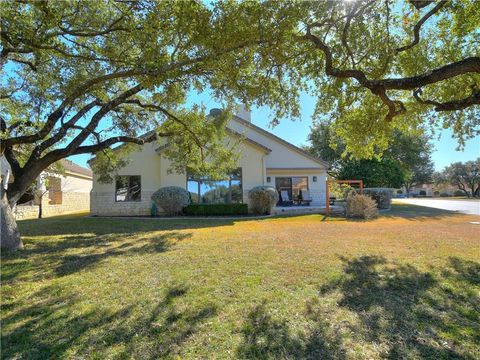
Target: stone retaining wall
x,y
71,203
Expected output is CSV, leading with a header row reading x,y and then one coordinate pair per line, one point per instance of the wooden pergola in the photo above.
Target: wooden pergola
x,y
327,193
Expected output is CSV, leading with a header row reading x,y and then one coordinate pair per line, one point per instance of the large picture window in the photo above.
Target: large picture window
x,y
206,191
128,188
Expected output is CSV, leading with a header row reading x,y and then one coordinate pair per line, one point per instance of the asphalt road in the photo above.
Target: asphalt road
x,y
464,206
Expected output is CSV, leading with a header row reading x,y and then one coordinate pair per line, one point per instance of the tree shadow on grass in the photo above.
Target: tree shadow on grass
x,y
73,225
411,313
57,255
417,212
265,337
61,327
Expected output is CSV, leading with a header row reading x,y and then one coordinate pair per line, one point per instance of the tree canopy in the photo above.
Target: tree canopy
x,y
86,76
381,66
406,162
83,77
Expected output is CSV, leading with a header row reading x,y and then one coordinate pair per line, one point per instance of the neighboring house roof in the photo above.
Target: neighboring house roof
x,y
284,142
73,168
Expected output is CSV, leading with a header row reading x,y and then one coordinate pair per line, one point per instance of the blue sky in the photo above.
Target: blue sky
x,y
296,132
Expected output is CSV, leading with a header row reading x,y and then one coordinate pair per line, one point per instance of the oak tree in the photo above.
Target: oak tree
x,y
82,77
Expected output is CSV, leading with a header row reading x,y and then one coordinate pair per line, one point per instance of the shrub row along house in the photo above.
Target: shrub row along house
x,y
265,159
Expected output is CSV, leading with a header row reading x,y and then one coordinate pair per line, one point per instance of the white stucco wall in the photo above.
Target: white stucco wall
x,y
154,171
282,156
74,183
144,162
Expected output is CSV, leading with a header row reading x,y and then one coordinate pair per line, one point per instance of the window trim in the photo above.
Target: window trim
x,y
126,201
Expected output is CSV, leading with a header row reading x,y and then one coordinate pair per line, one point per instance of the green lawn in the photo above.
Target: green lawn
x,y
406,285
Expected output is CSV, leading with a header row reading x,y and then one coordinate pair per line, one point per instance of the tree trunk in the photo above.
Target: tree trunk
x,y
40,209
10,236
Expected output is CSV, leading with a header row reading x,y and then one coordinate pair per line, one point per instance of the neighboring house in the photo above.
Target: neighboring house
x,y
265,159
64,193
430,189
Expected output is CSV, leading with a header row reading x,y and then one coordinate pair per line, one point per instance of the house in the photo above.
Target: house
x,y
265,159
59,193
432,190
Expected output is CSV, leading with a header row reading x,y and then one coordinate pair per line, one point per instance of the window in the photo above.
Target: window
x,y
294,186
128,188
206,191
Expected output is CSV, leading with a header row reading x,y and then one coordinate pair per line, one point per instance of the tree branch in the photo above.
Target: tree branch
x,y
170,115
379,87
454,105
68,125
418,25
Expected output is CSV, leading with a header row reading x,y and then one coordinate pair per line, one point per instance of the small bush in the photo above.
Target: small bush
x,y
263,199
444,195
361,206
436,193
399,192
422,193
216,209
382,196
459,193
172,199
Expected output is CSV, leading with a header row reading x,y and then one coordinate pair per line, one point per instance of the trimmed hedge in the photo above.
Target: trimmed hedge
x,y
216,209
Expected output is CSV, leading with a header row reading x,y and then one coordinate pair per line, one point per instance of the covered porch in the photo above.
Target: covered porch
x,y
299,189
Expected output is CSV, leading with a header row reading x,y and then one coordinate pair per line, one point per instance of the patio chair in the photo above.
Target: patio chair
x,y
285,199
306,198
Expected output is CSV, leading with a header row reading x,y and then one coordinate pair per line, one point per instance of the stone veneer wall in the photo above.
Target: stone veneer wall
x,y
104,204
72,202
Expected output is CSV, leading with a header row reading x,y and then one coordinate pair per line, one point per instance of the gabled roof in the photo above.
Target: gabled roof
x,y
71,167
233,132
247,139
280,140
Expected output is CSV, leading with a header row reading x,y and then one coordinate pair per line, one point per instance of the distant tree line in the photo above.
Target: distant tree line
x,y
464,175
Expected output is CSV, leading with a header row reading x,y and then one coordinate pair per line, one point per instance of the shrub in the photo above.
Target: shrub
x,y
172,199
422,193
436,193
216,209
262,199
444,195
382,196
459,193
399,192
361,206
